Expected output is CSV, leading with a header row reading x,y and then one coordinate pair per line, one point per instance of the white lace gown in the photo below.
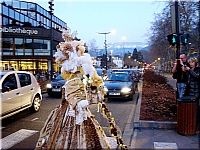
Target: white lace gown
x,y
71,125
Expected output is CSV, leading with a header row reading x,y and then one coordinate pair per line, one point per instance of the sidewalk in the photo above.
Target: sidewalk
x,y
156,135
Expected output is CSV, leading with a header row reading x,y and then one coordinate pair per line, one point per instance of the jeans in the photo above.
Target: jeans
x,y
180,87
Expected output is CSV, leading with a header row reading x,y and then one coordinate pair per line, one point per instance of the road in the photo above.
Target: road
x,y
21,131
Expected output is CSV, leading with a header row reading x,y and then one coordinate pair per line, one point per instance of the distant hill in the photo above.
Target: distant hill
x,y
123,47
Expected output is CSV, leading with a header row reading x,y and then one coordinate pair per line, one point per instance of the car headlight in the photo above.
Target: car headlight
x,y
105,89
49,85
125,90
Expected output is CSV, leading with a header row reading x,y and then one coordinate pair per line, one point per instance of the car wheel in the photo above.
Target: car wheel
x,y
36,104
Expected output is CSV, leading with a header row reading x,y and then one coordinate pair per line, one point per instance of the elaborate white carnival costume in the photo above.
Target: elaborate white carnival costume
x,y
71,125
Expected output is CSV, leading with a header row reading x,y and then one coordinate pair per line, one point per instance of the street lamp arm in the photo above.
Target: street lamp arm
x,y
103,32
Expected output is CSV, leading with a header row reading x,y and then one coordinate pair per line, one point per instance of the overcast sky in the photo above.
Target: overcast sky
x,y
130,18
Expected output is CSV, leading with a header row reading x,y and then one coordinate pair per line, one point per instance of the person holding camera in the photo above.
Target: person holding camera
x,y
179,74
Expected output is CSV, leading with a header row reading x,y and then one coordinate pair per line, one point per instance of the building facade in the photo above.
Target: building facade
x,y
26,37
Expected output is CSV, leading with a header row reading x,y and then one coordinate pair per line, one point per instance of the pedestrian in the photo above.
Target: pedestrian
x,y
192,88
179,74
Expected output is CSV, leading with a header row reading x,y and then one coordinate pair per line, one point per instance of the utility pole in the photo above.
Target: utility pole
x,y
51,37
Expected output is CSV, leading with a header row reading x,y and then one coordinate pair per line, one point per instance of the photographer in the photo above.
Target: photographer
x,y
179,74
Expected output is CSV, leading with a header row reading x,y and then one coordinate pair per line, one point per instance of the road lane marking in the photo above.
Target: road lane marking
x,y
34,119
165,145
15,138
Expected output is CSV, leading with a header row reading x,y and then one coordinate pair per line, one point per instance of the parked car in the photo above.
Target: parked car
x,y
19,91
119,85
54,88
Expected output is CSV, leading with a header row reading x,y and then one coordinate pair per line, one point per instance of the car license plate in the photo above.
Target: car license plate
x,y
56,90
111,93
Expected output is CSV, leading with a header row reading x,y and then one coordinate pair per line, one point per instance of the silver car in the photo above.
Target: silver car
x,y
19,91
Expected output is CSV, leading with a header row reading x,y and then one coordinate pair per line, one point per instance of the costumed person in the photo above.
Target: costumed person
x,y
71,124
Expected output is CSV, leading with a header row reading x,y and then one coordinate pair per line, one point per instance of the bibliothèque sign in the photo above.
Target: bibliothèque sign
x,y
18,30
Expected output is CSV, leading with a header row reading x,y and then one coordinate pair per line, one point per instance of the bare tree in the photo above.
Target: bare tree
x,y
93,48
162,26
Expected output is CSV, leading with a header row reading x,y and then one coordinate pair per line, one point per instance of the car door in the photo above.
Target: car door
x,y
26,88
11,99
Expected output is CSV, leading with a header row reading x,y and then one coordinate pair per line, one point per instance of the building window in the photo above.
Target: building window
x,y
5,21
41,47
8,3
26,19
24,12
23,5
28,46
21,17
19,46
34,23
11,13
5,10
31,6
16,15
16,4
7,46
32,14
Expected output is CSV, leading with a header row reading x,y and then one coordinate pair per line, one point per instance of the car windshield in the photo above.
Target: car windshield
x,y
59,78
118,77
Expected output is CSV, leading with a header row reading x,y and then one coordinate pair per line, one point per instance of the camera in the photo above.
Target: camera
x,y
184,65
178,61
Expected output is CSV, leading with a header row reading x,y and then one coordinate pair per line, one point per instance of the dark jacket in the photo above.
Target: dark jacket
x,y
181,76
193,85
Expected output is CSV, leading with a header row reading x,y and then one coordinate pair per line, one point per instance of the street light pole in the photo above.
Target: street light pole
x,y
105,33
123,39
51,37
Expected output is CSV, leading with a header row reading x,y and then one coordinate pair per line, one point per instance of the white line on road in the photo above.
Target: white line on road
x,y
165,145
34,119
15,138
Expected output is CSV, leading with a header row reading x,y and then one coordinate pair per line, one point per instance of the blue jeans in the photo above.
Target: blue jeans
x,y
180,87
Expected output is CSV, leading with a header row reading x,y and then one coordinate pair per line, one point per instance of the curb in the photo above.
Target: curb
x,y
154,124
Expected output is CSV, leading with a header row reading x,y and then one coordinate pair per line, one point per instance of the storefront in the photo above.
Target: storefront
x,y
26,36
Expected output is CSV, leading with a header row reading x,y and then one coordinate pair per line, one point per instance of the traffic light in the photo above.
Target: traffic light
x,y
51,6
173,39
184,39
